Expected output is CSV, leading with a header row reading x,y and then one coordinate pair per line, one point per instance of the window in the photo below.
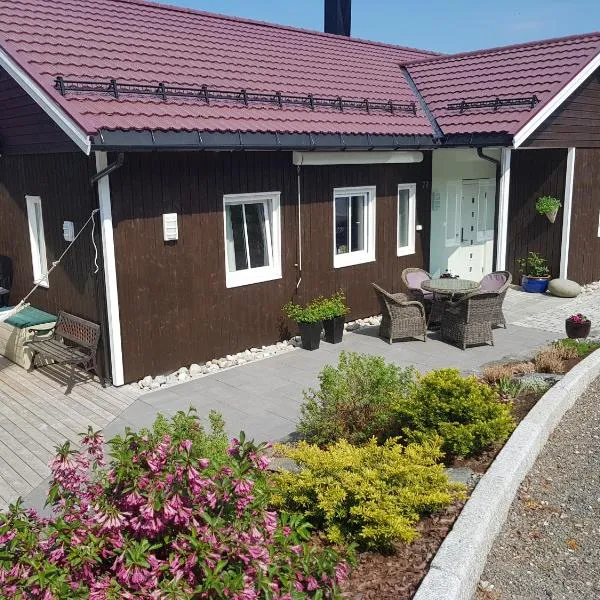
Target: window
x,y
407,193
252,238
354,226
453,216
36,237
486,210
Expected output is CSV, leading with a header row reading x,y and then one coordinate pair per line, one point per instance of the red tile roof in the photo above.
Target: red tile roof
x,y
140,42
537,68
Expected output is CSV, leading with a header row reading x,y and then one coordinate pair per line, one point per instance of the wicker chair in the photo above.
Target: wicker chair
x,y
412,279
400,316
498,281
469,320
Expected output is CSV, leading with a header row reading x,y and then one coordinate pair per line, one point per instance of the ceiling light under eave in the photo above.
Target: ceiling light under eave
x,y
357,158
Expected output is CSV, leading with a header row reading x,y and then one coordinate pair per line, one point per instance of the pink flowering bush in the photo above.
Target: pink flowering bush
x,y
161,521
578,318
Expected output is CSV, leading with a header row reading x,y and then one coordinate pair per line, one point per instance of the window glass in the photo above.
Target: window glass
x,y
236,238
342,222
403,217
358,217
37,241
257,235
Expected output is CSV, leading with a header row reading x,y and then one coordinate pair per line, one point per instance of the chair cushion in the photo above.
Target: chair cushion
x,y
564,288
492,282
416,278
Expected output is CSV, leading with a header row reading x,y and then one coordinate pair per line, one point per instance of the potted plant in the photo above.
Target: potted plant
x,y
309,323
548,205
578,326
535,273
333,311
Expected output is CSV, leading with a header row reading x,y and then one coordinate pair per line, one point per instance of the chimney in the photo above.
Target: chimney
x,y
338,16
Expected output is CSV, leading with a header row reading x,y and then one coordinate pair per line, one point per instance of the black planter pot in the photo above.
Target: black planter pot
x,y
310,334
334,329
577,330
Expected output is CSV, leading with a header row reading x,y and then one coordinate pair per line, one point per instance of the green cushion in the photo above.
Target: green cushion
x,y
29,317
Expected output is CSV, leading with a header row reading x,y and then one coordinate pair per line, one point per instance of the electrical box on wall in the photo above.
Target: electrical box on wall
x,y
170,227
68,231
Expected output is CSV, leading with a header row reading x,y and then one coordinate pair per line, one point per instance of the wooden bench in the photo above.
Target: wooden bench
x,y
73,341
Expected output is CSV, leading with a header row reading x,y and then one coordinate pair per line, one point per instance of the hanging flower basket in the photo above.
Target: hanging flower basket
x,y
548,205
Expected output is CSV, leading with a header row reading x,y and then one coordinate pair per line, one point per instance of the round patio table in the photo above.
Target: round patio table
x,y
444,288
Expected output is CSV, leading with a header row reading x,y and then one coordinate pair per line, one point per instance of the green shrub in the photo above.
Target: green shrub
x,y
371,495
535,384
308,313
547,204
355,400
583,347
463,411
332,306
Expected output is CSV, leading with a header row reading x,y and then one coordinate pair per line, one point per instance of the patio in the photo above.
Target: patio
x,y
263,397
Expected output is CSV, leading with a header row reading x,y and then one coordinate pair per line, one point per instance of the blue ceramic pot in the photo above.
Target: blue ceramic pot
x,y
535,285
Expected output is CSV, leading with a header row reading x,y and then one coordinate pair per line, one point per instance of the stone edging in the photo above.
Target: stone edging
x,y
458,564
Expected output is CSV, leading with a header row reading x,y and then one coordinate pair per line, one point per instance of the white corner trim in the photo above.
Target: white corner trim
x,y
502,241
53,110
555,102
110,273
567,204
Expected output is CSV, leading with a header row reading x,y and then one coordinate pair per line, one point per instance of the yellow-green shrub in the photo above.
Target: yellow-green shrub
x,y
371,495
463,411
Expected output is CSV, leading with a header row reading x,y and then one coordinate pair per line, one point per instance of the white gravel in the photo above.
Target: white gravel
x,y
549,547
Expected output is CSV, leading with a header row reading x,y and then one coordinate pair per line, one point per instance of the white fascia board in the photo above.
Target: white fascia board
x,y
555,102
110,272
350,157
53,110
567,210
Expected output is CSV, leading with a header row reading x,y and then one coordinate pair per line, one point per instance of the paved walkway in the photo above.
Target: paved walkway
x,y
262,398
549,547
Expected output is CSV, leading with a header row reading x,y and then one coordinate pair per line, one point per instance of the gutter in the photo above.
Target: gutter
x,y
498,164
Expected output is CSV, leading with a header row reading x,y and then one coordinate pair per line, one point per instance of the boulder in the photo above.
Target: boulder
x,y
564,288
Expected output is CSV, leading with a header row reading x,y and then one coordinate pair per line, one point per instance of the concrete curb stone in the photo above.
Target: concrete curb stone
x,y
458,564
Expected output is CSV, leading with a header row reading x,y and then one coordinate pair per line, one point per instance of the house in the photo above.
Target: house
x,y
238,164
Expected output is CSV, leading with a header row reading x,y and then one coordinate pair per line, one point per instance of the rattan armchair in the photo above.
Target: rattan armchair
x,y
401,317
412,279
469,321
498,281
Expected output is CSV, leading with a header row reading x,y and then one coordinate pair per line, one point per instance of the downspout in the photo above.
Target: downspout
x,y
498,164
100,282
299,263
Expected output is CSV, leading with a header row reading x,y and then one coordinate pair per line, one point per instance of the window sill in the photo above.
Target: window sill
x,y
251,276
354,258
405,251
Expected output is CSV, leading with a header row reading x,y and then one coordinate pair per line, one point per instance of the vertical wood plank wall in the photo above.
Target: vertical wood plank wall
x,y
175,307
584,249
63,183
535,173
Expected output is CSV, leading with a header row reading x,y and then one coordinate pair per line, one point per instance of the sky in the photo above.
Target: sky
x,y
440,25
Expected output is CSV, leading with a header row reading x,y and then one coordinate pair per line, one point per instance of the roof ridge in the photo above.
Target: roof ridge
x,y
184,9
577,36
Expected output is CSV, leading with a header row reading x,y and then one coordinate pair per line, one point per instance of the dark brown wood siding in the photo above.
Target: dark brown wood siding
x,y
63,183
175,306
584,246
575,123
535,173
24,126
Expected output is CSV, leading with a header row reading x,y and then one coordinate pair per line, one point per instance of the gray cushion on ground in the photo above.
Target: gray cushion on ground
x,y
564,288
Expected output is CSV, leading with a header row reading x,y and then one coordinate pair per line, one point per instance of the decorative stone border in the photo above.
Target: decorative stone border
x,y
458,564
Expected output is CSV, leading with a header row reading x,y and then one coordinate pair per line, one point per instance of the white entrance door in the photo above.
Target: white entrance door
x,y
476,205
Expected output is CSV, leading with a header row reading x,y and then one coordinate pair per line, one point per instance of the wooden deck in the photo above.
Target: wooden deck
x,y
38,412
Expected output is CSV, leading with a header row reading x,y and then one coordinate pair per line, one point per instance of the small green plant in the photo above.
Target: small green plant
x,y
534,265
582,348
354,401
547,205
535,384
463,411
308,313
331,306
371,495
508,388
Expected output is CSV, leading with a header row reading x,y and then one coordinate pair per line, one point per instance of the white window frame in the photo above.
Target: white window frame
x,y
485,186
412,219
453,195
39,258
358,256
271,202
